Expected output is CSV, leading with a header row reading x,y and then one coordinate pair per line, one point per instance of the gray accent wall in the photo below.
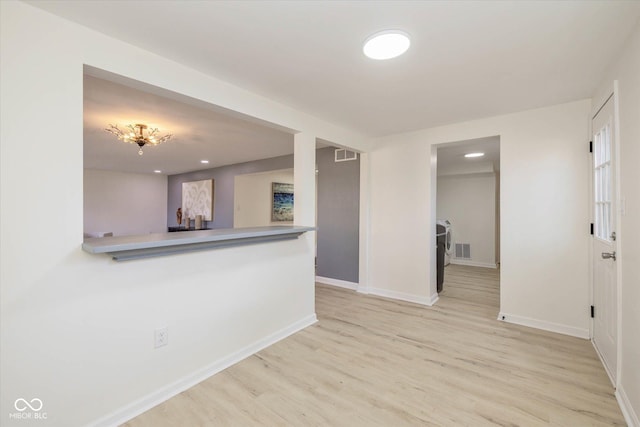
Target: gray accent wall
x,y
338,216
223,178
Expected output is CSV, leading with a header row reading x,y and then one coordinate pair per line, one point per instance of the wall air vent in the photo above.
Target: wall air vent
x,y
344,155
463,250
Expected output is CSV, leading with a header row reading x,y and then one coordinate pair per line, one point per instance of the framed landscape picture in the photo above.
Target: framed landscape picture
x,y
282,206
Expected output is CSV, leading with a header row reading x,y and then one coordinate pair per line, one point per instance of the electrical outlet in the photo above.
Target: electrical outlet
x,y
161,337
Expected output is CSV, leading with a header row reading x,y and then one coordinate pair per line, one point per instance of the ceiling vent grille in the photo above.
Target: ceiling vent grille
x,y
344,155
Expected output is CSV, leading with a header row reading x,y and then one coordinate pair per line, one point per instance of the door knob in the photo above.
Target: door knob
x,y
609,255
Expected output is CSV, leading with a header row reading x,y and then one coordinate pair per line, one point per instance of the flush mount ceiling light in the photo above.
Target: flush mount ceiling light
x,y
136,135
470,155
386,44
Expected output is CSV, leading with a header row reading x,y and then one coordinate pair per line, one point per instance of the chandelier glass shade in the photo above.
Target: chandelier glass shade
x,y
136,135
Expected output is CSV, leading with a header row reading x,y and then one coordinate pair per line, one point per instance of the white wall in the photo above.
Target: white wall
x,y
124,203
397,186
626,69
468,202
252,197
77,329
544,181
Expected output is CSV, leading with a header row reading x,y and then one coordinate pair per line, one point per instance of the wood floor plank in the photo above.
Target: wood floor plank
x,y
371,361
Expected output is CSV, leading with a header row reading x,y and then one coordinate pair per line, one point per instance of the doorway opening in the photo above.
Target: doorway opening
x,y
467,200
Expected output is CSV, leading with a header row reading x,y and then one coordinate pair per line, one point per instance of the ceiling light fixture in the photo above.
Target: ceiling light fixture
x,y
470,155
204,162
157,171
136,135
386,44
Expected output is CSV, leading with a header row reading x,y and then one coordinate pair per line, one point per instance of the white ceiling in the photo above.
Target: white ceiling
x,y
468,59
451,160
199,133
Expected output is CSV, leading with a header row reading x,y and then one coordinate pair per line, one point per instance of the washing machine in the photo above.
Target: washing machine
x,y
448,242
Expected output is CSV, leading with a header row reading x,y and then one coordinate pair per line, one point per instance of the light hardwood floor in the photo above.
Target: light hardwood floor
x,y
376,362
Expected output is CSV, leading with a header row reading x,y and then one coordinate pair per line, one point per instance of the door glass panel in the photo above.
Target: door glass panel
x,y
605,148
602,183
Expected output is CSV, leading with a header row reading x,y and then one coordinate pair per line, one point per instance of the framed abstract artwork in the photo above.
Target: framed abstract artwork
x,y
197,199
282,206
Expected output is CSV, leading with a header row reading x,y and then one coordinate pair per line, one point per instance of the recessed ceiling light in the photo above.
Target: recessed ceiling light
x,y
474,155
204,162
386,44
157,171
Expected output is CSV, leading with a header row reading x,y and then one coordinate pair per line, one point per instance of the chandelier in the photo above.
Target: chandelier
x,y
136,135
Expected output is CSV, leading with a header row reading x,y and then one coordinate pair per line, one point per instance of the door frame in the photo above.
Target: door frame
x,y
613,95
433,208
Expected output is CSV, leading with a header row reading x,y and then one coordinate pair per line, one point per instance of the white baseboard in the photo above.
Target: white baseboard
x,y
336,282
155,398
458,261
544,325
434,299
604,365
630,415
429,301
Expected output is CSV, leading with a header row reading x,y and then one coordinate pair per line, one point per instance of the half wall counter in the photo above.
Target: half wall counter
x,y
123,248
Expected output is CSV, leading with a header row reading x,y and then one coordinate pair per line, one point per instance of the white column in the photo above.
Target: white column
x,y
304,180
363,271
304,200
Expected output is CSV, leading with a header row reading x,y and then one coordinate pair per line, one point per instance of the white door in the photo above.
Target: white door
x,y
605,332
